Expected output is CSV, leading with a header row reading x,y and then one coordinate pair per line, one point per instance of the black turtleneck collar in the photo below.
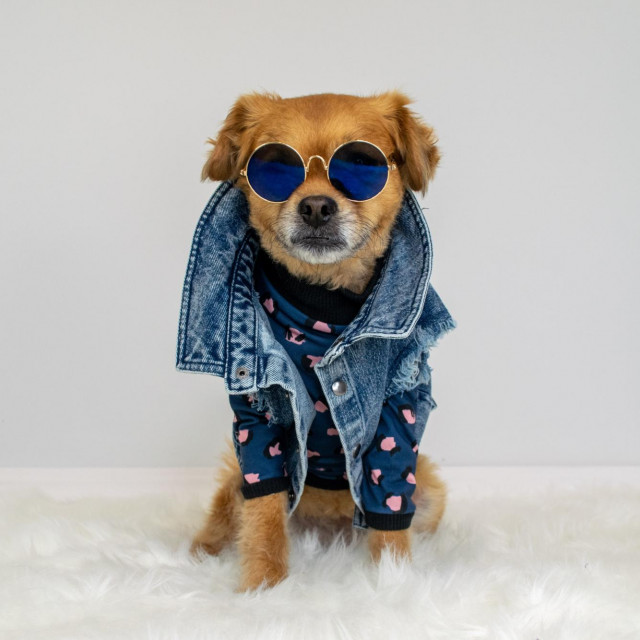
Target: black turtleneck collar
x,y
334,306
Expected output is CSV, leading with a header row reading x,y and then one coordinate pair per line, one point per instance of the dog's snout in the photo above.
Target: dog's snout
x,y
317,210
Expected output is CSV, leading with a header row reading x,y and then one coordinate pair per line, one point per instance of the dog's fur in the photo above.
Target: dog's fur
x,y
317,125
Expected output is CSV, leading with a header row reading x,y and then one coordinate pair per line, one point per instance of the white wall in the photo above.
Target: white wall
x,y
534,214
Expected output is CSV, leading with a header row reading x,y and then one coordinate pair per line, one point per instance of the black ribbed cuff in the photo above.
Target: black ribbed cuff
x,y
332,484
264,487
388,521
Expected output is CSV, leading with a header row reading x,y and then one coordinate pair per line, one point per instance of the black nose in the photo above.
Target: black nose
x,y
317,210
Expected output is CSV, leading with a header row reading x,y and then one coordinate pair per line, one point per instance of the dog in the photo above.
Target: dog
x,y
330,234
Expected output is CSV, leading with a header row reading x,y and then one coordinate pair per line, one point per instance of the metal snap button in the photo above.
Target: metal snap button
x,y
242,372
339,387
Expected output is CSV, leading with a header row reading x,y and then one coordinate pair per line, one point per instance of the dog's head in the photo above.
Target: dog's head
x,y
317,226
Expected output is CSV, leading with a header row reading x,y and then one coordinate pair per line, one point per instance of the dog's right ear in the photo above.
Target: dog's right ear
x,y
232,147
416,153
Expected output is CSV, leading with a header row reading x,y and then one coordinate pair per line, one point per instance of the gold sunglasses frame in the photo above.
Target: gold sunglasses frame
x,y
391,166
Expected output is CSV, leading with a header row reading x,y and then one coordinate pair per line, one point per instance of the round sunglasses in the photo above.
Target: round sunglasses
x,y
358,169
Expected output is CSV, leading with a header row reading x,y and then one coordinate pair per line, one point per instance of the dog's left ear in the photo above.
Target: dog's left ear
x,y
416,154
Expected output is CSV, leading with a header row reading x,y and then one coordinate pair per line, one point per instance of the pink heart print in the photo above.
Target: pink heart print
x,y
394,503
388,443
275,450
409,416
320,406
314,360
295,336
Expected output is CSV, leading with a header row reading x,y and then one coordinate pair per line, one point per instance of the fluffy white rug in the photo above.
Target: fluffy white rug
x,y
552,564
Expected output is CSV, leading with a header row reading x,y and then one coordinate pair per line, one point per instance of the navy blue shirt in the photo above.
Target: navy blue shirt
x,y
390,461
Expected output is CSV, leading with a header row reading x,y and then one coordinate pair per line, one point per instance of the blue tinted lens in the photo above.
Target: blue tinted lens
x,y
359,170
275,171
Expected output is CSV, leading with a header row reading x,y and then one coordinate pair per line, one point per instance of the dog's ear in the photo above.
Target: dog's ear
x,y
232,147
416,154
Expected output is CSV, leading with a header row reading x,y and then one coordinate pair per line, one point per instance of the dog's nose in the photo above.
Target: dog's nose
x,y
317,210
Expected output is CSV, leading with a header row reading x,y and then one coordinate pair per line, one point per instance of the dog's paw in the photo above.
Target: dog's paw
x,y
266,575
398,543
201,546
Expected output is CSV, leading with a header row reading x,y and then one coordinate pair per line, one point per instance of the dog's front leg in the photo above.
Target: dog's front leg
x,y
397,542
264,541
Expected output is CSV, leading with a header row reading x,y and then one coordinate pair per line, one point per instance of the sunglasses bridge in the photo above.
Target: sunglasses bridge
x,y
324,163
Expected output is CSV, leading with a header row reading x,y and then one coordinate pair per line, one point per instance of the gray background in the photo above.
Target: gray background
x,y
534,214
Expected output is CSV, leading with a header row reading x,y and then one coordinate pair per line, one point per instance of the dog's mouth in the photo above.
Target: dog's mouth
x,y
317,248
318,242
321,239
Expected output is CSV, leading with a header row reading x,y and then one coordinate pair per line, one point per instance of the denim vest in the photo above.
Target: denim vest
x,y
224,331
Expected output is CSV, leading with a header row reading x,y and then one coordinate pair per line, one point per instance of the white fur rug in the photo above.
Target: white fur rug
x,y
551,564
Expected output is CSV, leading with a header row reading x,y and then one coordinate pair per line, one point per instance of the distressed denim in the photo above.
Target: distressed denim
x,y
224,331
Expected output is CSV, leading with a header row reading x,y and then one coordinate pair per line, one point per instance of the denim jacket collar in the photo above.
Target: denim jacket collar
x,y
218,285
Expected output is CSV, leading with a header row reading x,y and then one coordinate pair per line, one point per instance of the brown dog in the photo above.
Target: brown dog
x,y
316,125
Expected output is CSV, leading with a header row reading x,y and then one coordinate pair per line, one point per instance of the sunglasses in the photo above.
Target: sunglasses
x,y
357,169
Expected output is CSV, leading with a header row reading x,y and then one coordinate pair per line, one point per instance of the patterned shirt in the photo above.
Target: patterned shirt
x,y
390,461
